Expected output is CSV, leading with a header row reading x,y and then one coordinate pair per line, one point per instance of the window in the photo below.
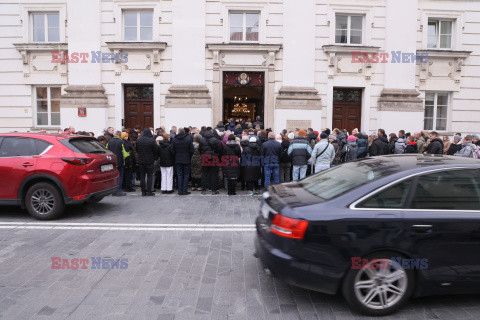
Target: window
x,y
348,29
436,110
138,25
391,198
48,106
46,27
84,145
18,147
244,26
439,34
450,190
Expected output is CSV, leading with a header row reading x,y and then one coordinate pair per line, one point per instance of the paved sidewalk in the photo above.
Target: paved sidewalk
x,y
171,274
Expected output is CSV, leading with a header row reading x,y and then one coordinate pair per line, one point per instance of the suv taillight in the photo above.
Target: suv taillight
x,y
78,161
288,227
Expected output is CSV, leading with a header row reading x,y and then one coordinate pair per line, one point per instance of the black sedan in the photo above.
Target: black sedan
x,y
379,230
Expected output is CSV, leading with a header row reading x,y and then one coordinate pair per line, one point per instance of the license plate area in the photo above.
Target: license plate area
x,y
106,167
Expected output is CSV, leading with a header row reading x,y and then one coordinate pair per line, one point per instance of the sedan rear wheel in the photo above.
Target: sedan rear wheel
x,y
379,287
44,201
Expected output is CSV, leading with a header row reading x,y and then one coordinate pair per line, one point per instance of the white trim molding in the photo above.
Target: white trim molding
x,y
458,18
26,9
243,6
120,6
366,11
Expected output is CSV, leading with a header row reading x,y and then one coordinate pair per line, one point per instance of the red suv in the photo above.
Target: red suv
x,y
45,172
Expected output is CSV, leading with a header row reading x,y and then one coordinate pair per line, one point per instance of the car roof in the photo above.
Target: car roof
x,y
59,136
417,161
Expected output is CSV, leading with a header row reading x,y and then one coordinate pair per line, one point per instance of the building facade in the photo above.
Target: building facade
x,y
410,64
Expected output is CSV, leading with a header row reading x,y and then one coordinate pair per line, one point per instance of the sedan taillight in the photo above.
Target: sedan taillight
x,y
288,227
78,161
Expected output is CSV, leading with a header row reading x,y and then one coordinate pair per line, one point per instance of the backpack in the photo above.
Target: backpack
x,y
344,157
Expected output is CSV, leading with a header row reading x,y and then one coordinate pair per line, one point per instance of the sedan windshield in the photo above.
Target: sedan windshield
x,y
338,180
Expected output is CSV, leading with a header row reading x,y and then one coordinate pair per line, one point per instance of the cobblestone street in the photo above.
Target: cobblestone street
x,y
188,258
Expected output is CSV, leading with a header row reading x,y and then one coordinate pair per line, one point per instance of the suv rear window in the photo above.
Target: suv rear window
x,y
84,145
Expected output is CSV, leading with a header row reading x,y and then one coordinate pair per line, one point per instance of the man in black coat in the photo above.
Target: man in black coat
x,y
271,152
210,149
379,146
116,146
436,144
147,151
182,149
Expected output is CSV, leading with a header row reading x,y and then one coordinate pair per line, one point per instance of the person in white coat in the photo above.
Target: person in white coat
x,y
323,154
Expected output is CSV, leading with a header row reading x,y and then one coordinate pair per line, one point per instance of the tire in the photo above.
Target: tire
x,y
378,284
44,201
94,200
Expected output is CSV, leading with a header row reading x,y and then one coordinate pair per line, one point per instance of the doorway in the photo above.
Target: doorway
x,y
243,95
347,108
138,105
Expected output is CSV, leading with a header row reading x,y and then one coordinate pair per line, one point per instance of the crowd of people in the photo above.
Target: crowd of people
x,y
247,156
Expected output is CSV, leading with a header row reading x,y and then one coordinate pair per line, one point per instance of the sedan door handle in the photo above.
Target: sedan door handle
x,y
27,164
422,228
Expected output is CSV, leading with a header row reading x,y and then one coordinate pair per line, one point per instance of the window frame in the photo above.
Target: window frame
x,y
435,107
415,177
45,26
26,17
49,106
408,197
138,26
244,25
31,140
439,34
349,28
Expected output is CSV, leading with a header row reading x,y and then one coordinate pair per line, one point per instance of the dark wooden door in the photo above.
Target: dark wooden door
x,y
138,106
347,108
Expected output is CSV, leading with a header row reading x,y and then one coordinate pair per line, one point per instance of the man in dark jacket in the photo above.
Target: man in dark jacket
x,y
210,149
411,145
147,151
116,146
182,149
436,144
300,151
379,145
271,152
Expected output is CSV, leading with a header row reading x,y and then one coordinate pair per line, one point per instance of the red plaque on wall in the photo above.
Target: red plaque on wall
x,y
82,112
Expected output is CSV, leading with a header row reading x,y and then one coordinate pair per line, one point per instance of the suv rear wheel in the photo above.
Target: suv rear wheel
x,y
44,202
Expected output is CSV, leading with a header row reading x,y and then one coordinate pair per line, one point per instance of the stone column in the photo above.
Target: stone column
x,y
399,93
298,90
188,102
84,79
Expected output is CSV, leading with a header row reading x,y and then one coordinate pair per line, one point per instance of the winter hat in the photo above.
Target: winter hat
x,y
327,131
302,133
323,135
124,134
253,139
351,138
333,137
458,138
291,136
